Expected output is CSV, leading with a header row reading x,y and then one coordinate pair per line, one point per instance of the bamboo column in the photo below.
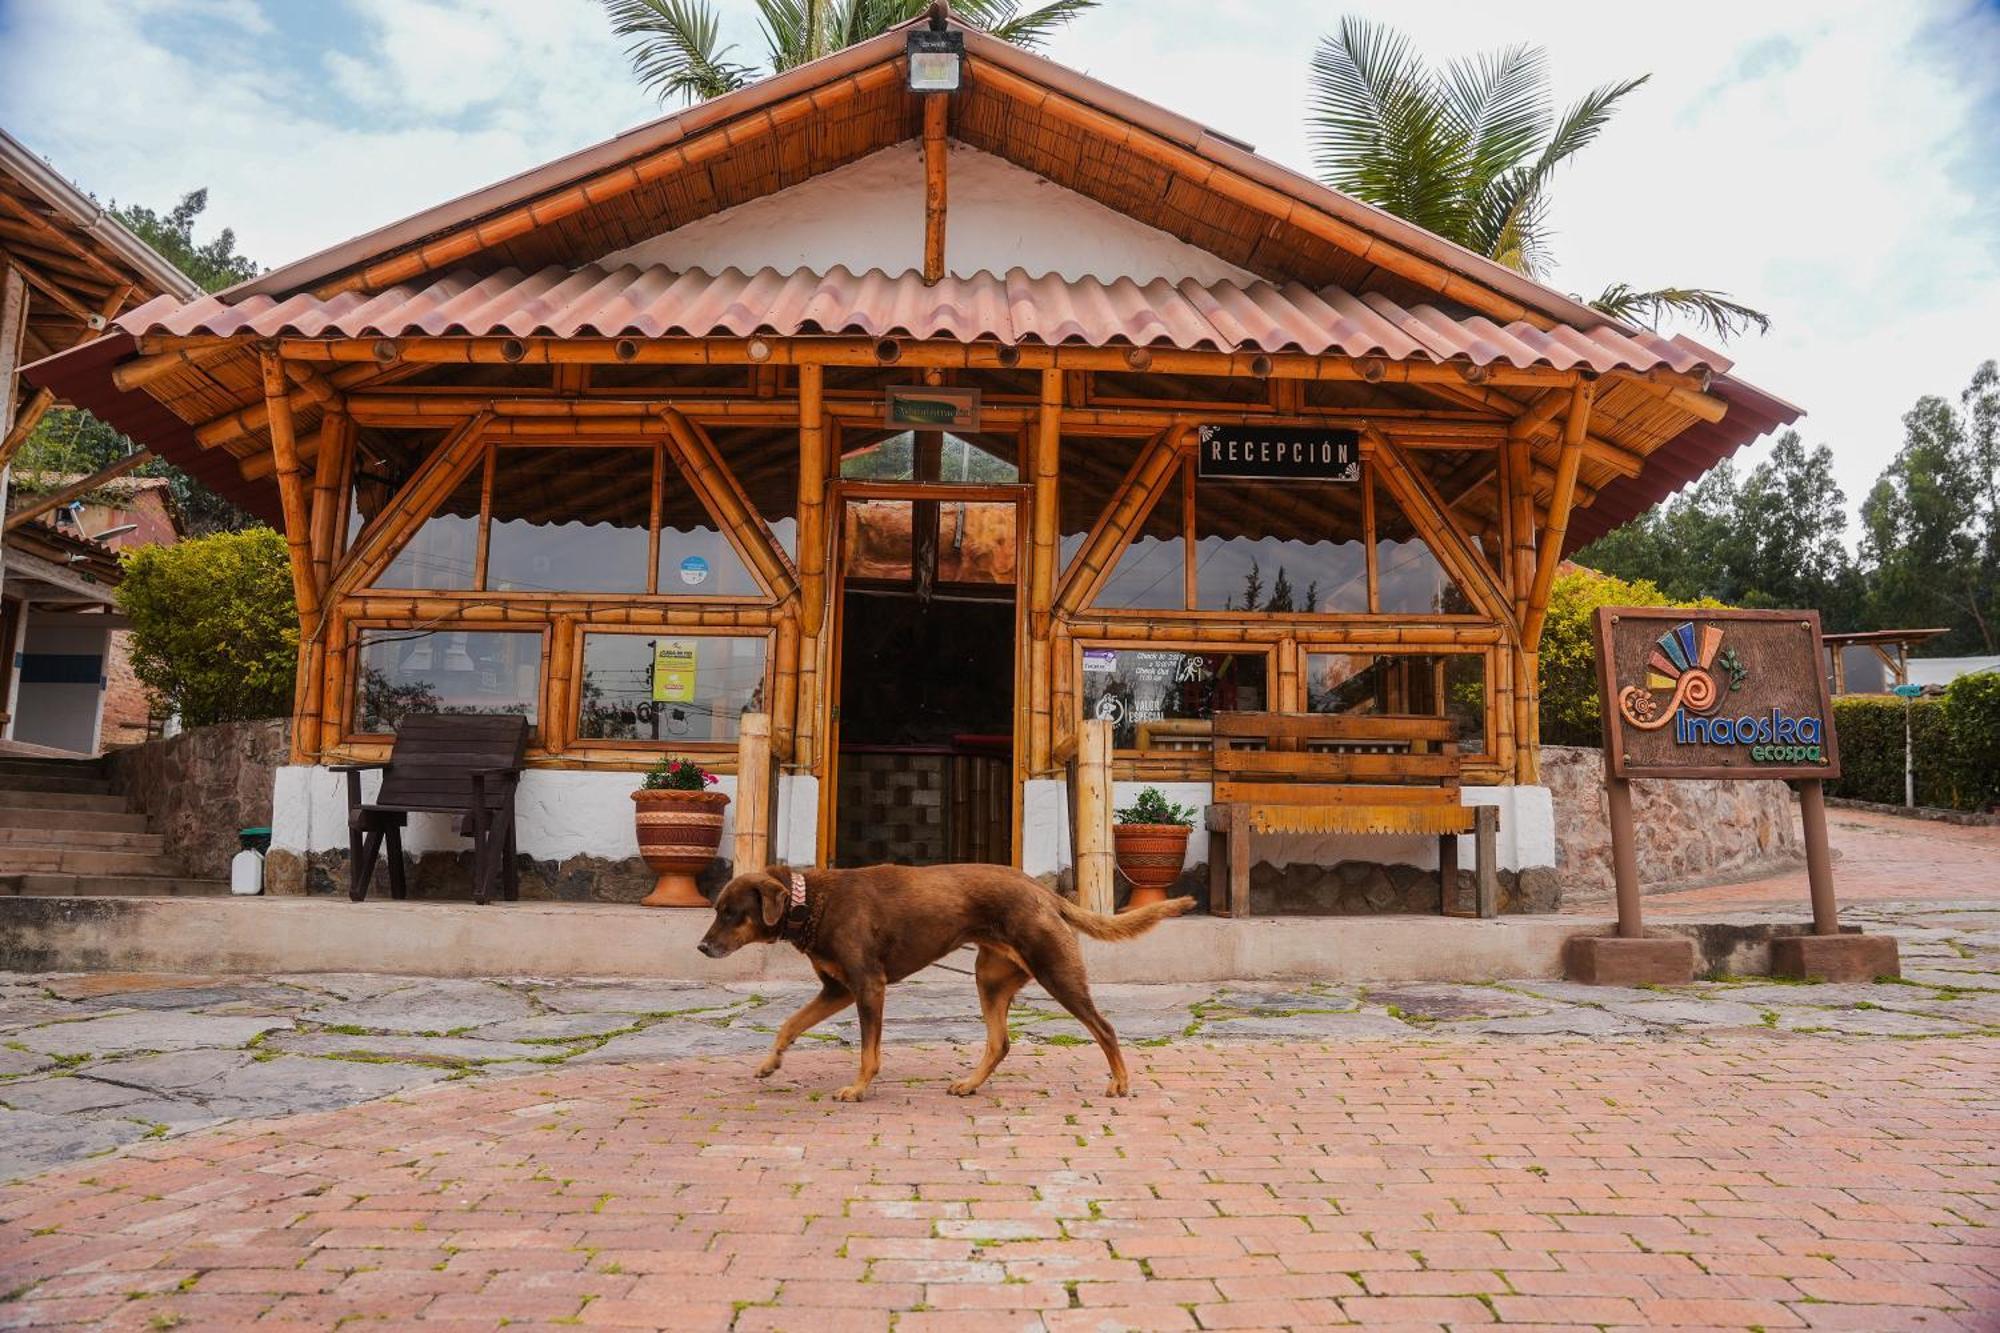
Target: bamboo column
x,y
1576,427
1518,495
812,500
753,792
1044,464
785,697
291,486
1096,865
936,150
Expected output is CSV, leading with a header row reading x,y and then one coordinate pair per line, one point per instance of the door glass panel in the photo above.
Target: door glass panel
x,y
878,539
668,688
976,542
446,671
569,520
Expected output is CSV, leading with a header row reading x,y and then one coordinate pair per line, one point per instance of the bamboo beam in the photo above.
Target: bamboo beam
x,y
24,425
1426,513
291,486
1576,427
1686,392
71,302
1155,467
56,499
1625,462
329,466
813,469
911,353
138,373
313,389
936,151
420,495
1096,864
614,183
62,240
754,780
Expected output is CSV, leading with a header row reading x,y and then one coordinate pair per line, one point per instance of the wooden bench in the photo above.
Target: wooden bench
x,y
1342,773
467,765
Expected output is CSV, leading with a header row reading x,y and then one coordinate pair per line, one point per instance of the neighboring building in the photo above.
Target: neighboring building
x,y
1939,672
1872,661
625,443
66,268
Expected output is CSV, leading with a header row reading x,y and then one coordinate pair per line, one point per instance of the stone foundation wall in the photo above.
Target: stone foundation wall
x,y
1687,831
200,787
448,876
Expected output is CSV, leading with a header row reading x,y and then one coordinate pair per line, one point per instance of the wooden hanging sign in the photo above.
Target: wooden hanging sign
x,y
915,407
1714,694
1277,453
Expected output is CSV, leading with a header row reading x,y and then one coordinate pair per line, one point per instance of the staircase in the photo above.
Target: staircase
x,y
65,833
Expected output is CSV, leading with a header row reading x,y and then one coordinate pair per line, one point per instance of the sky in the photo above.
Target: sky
x,y
1835,163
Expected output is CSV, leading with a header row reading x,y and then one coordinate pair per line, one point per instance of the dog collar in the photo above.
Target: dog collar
x,y
798,916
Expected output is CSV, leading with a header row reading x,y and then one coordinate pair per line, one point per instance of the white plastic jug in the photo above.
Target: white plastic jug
x,y
246,872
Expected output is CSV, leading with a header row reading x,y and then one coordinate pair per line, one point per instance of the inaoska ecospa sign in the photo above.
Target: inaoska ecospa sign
x,y
1715,694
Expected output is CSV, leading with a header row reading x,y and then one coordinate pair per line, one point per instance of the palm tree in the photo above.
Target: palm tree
x,y
1470,152
676,44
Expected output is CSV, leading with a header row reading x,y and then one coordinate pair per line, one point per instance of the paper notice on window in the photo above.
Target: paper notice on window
x,y
674,662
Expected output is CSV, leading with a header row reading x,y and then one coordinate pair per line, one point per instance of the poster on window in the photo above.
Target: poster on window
x,y
674,665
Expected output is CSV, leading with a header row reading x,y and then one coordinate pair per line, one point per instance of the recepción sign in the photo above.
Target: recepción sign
x,y
1277,453
1714,694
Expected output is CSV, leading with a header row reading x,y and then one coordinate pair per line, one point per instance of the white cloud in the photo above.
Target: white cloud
x,y
1833,161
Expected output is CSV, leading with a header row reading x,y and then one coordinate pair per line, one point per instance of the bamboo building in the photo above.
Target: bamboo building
x,y
878,410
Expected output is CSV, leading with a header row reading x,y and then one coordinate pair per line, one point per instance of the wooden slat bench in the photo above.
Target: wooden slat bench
x,y
467,765
1342,773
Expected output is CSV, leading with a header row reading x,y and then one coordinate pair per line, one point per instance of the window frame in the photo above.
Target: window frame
x,y
572,691
355,629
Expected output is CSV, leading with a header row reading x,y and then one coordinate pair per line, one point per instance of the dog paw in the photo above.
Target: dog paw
x,y
965,1087
768,1068
853,1092
1117,1088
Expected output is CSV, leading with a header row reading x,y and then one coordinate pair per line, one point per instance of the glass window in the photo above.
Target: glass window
x,y
696,559
961,459
765,464
569,520
1408,577
1087,482
1151,573
1279,546
1145,691
446,671
1428,684
444,552
668,688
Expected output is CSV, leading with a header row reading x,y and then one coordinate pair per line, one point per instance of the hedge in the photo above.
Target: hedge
x,y
1955,742
1571,714
215,636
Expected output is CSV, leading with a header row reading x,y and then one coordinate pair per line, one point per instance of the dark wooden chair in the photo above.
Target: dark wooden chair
x,y
465,765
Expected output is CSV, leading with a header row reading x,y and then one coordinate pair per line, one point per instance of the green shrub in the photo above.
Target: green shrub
x,y
1570,711
1955,743
215,633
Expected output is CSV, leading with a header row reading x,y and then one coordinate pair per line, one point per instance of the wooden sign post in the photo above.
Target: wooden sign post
x,y
1719,696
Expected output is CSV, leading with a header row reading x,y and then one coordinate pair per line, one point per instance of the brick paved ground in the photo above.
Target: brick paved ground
x,y
204,1152
1881,858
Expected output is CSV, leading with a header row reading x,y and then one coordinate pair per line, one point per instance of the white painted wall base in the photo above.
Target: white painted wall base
x,y
1527,830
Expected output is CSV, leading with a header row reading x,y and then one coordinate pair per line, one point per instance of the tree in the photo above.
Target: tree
x,y
676,45
1931,527
215,633
1470,153
213,265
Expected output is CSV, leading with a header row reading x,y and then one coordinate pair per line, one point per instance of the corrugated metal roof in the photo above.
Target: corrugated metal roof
x,y
657,302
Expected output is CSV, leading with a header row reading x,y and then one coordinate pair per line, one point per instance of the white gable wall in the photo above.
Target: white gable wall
x,y
870,214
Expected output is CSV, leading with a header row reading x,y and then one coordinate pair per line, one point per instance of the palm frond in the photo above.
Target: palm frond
x,y
1582,123
675,48
1033,29
1709,310
794,31
1499,105
1379,130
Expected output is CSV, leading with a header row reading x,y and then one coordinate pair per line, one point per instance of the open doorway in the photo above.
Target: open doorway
x,y
925,670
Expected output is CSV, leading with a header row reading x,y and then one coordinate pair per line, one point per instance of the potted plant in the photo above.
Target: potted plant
x,y
1150,837
680,826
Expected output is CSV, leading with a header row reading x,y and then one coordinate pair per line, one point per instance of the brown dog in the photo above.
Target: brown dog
x,y
863,929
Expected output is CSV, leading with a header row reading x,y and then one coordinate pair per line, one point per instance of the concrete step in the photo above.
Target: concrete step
x,y
88,834
68,801
50,819
28,859
51,768
110,886
54,784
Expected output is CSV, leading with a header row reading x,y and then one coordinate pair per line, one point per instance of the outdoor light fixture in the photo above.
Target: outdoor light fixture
x,y
937,56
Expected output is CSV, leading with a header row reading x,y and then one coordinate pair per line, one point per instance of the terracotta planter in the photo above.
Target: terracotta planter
x,y
678,834
1150,856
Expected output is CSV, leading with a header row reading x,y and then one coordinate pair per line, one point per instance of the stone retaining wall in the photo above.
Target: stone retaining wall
x,y
201,786
1687,831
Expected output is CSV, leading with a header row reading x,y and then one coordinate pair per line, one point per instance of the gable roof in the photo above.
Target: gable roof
x,y
1313,248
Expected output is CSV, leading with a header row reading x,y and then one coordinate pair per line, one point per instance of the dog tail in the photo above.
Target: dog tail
x,y
1126,924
